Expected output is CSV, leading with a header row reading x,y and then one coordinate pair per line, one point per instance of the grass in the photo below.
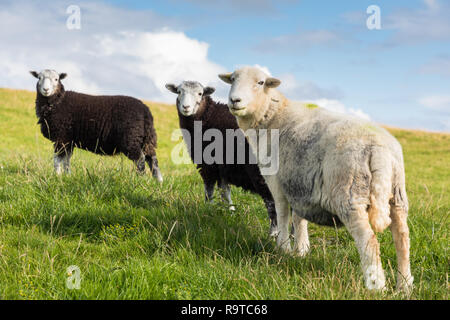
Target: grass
x,y
135,239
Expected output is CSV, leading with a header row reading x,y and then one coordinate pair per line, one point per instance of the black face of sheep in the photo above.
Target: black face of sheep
x,y
104,125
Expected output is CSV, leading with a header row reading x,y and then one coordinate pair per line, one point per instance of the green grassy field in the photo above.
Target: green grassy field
x,y
135,239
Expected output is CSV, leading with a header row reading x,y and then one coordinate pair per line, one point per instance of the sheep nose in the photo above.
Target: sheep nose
x,y
235,100
186,107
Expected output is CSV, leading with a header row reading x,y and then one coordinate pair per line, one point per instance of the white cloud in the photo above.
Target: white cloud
x,y
437,102
301,41
432,4
307,89
252,7
429,23
337,106
440,65
310,92
446,124
132,59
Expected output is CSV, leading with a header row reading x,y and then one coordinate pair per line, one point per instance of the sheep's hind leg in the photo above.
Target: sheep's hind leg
x,y
357,223
400,234
301,237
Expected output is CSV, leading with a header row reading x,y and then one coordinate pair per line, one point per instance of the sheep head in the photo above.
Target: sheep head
x,y
190,95
49,81
251,91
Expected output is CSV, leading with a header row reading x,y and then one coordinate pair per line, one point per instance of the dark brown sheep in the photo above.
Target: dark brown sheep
x,y
105,125
195,104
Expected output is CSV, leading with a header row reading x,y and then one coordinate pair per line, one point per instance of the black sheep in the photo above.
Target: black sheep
x,y
195,104
105,125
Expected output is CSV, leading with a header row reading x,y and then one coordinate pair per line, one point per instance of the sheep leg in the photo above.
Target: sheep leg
x,y
61,159
283,213
357,223
226,194
301,242
270,205
61,163
209,191
263,190
140,164
283,240
152,162
400,235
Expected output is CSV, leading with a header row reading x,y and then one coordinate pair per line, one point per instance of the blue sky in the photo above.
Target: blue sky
x,y
322,50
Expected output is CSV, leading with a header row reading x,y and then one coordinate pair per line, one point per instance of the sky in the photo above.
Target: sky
x,y
322,51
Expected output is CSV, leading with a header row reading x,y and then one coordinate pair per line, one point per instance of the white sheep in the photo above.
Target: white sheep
x,y
333,169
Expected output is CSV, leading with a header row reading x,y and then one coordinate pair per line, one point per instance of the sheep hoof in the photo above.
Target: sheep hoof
x,y
285,246
273,232
158,176
375,279
232,209
405,285
302,250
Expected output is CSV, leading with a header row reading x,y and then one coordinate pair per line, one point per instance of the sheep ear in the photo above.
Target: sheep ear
x,y
62,76
208,91
172,88
272,82
34,74
226,77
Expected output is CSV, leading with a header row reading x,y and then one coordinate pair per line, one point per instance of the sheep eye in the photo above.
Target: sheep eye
x,y
200,94
261,83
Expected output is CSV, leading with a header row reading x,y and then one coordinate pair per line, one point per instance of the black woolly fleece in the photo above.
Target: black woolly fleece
x,y
247,176
100,124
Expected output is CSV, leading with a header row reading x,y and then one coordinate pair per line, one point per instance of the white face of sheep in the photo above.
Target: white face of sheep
x,y
190,95
48,81
249,89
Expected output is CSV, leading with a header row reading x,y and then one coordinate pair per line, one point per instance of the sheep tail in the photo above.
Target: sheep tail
x,y
380,190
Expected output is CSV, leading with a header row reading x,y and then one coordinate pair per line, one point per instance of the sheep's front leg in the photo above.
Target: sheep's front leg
x,y
357,223
61,159
283,240
156,173
209,191
301,244
61,163
270,205
283,213
226,195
